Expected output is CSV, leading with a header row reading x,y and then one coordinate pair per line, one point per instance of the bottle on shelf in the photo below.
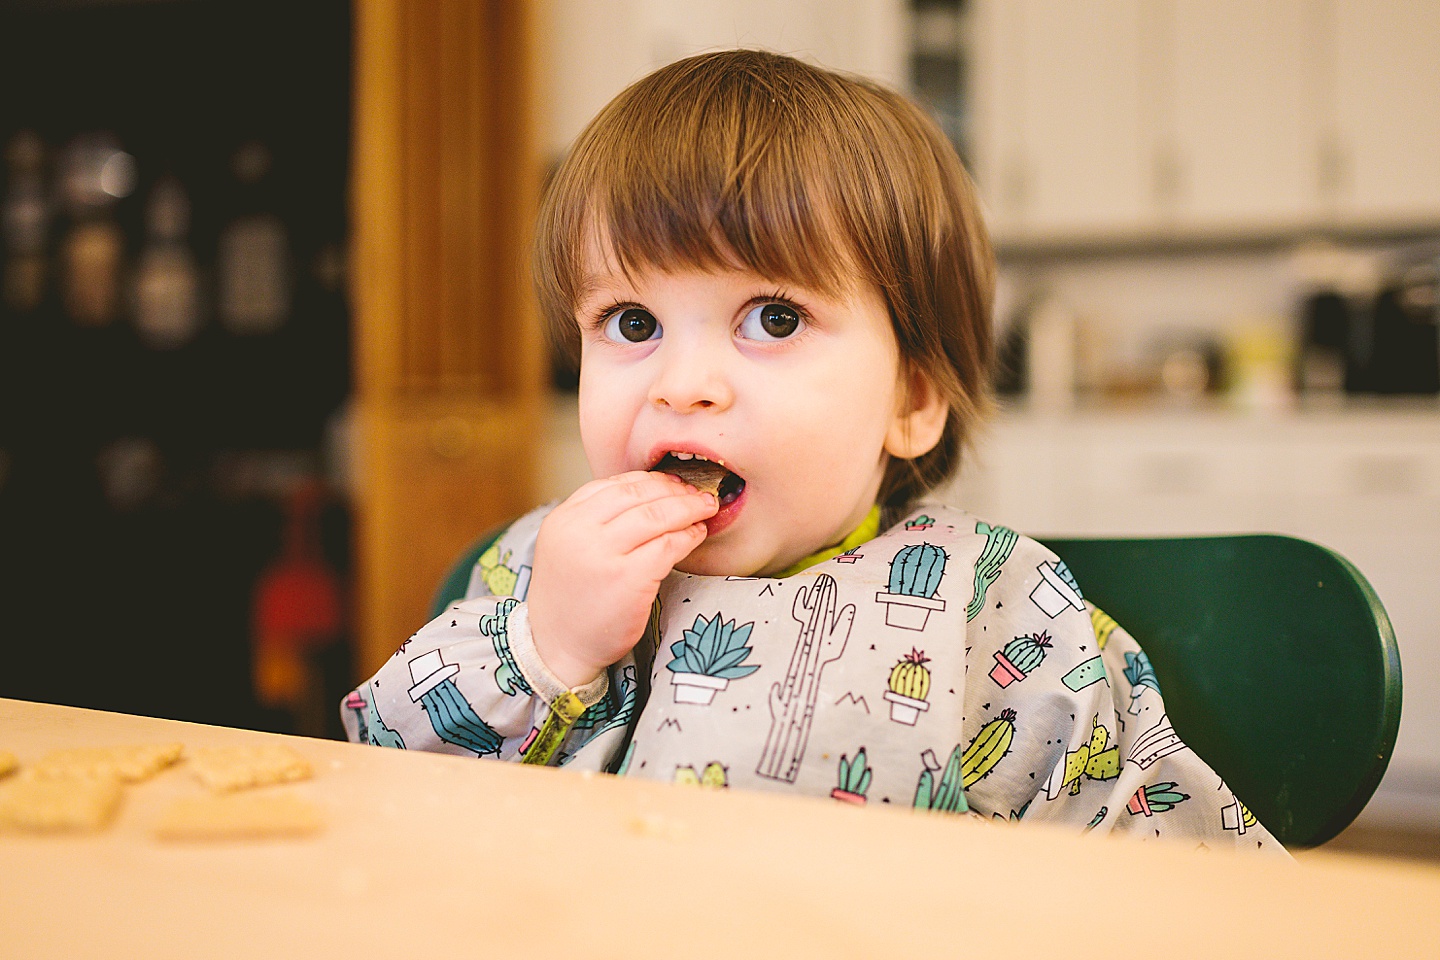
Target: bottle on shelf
x,y
167,283
96,173
26,220
254,252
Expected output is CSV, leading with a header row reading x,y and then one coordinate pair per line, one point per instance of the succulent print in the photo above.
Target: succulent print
x,y
948,795
1140,674
495,626
1020,656
713,648
854,778
1155,798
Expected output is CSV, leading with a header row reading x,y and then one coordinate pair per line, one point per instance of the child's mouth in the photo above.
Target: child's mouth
x,y
707,476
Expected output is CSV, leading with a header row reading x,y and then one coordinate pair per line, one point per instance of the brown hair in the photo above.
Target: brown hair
x,y
752,159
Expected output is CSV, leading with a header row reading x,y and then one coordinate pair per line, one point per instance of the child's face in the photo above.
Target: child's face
x,y
797,394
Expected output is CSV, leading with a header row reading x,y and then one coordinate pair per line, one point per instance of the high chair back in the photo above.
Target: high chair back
x,y
1276,660
1275,657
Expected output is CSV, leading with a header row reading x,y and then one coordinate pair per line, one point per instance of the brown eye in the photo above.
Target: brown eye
x,y
632,325
771,321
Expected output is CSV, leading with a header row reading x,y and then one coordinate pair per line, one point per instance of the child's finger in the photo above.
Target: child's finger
x,y
628,491
646,521
588,490
657,557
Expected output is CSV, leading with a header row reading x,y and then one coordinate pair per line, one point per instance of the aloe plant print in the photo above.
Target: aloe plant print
x,y
1020,656
824,631
710,653
1140,675
495,626
1057,590
854,778
915,574
948,795
999,544
1155,798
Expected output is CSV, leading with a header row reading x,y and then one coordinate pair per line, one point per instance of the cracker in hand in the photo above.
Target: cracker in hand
x,y
236,768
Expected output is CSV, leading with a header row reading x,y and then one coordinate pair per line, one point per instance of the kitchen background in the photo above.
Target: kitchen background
x,y
1218,224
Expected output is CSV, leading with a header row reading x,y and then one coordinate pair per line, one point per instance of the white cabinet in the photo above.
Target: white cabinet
x,y
1364,483
1136,118
1057,114
1386,112
592,49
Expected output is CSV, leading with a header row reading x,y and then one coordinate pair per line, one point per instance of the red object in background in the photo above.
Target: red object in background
x,y
297,606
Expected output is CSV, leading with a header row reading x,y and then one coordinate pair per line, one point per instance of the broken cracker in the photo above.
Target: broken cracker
x,y
67,803
242,816
130,763
236,768
8,763
703,475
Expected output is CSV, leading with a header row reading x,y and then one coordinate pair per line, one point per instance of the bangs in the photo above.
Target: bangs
x,y
694,168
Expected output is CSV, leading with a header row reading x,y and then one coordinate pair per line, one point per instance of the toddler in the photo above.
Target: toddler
x,y
778,287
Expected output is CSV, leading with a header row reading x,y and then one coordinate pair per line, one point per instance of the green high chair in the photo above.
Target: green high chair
x,y
1275,657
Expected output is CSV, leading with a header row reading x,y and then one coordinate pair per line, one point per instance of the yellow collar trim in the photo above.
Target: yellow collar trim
x,y
869,528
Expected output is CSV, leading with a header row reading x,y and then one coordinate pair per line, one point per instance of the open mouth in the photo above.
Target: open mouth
x,y
707,476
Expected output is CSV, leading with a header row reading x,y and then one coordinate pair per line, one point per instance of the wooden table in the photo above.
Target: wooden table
x,y
427,856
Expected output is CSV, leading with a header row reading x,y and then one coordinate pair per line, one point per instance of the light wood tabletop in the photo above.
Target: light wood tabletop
x,y
424,854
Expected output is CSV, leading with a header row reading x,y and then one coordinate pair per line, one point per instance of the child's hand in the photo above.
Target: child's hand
x,y
599,560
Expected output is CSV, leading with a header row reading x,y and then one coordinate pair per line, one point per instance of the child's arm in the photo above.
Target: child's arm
x,y
599,561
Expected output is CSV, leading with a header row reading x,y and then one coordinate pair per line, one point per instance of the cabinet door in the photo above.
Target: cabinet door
x,y
1238,136
1059,120
1387,110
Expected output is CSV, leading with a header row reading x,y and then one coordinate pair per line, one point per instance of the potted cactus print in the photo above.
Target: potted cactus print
x,y
1019,657
1237,817
909,687
708,657
855,778
1057,589
915,575
921,522
1155,798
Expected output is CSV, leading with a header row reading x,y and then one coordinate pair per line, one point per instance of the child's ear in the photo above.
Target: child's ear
x,y
919,420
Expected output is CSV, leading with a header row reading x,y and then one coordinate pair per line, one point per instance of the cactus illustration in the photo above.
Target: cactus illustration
x,y
916,570
915,574
1020,656
999,544
714,776
910,678
823,634
988,748
948,795
713,648
855,778
451,715
1155,798
356,703
495,626
1097,819
1103,625
1237,817
615,708
922,522
499,578
1057,590
380,734
1096,760
909,686
1154,744
708,657
849,556
1140,674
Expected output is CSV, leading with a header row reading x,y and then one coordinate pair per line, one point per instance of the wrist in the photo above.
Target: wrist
x,y
552,672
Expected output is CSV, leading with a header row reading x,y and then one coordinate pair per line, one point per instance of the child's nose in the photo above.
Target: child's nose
x,y
692,378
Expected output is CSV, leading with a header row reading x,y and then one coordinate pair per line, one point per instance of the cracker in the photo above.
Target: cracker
x,y
703,475
240,816
8,763
130,763
236,768
68,803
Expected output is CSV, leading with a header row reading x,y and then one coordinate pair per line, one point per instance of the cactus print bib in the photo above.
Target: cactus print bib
x,y
947,664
